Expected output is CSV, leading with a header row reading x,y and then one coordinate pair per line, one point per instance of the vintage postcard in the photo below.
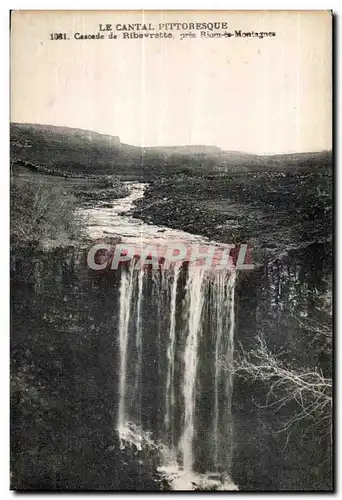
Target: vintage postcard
x,y
171,188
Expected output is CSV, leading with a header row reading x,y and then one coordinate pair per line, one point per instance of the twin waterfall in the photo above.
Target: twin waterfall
x,y
176,334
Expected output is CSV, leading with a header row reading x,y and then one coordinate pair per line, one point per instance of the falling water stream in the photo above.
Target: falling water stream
x,y
194,304
185,315
125,304
170,390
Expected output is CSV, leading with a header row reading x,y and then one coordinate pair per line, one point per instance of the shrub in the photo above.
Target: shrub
x,y
43,211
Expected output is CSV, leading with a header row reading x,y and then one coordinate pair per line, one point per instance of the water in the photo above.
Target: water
x,y
170,389
139,339
115,220
194,304
178,335
126,291
224,310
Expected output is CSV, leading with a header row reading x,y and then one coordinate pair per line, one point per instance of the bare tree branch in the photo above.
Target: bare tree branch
x,y
309,389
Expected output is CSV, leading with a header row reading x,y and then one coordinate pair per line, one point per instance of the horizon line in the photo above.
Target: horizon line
x,y
174,145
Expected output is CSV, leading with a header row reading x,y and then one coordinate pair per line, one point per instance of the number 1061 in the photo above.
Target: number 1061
x,y
58,36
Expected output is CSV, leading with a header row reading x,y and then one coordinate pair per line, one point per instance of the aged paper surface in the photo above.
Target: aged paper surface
x,y
171,258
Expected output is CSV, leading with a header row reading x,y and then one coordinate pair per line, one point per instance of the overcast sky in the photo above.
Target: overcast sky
x,y
263,96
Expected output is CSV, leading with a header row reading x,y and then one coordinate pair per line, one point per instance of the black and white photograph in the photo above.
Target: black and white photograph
x,y
171,251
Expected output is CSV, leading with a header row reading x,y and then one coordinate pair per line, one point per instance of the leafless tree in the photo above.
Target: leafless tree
x,y
308,388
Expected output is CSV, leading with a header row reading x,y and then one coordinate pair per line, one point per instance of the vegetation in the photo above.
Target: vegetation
x,y
42,212
303,388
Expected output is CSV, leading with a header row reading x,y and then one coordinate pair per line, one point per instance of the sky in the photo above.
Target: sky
x,y
264,96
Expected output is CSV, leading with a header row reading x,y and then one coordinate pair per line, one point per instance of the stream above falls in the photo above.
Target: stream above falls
x,y
115,220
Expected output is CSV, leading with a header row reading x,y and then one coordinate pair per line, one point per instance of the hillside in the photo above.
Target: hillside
x,y
82,152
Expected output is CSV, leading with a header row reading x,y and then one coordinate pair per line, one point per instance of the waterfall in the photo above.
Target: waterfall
x,y
224,348
219,290
175,328
126,289
170,390
194,301
138,340
229,375
230,348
